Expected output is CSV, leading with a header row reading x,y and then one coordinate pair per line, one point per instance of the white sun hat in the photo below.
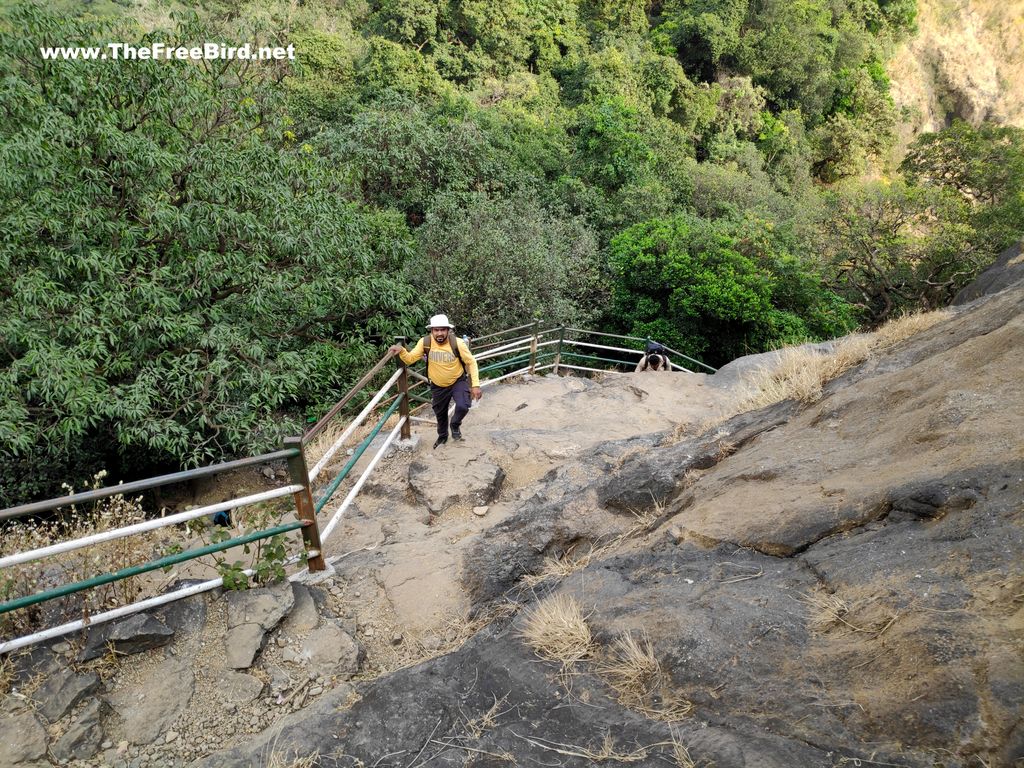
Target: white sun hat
x,y
439,321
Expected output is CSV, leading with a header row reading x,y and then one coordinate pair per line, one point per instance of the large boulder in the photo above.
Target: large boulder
x,y
1002,273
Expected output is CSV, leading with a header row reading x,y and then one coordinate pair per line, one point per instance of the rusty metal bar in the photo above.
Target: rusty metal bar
x,y
403,392
125,489
304,505
533,349
356,388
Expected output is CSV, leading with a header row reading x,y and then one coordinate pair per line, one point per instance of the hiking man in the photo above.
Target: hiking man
x,y
448,361
655,359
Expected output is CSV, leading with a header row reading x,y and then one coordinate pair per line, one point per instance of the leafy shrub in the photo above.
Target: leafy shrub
x,y
712,290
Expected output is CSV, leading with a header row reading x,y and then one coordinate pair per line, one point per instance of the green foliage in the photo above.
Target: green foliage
x,y
704,32
610,149
714,290
177,270
324,92
400,155
897,247
985,166
492,264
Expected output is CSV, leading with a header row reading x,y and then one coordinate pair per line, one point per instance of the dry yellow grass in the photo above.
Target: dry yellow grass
x,y
802,373
68,567
6,675
907,325
825,610
557,630
632,669
681,754
634,672
560,567
478,726
281,760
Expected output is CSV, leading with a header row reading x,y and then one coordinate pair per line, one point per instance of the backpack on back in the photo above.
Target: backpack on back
x,y
453,342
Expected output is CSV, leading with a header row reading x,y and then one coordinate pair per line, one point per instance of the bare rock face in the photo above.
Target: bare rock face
x,y
964,62
841,582
442,481
1007,270
62,691
151,707
22,741
252,613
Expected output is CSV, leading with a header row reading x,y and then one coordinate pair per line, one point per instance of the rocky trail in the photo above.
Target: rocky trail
x,y
824,584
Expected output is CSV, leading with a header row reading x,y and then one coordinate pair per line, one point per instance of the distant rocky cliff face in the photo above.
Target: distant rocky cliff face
x,y
966,61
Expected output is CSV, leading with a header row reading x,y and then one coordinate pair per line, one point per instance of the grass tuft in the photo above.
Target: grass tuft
x,y
636,675
557,630
632,669
802,373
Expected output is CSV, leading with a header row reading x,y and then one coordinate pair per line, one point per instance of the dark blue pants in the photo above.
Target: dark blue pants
x,y
440,397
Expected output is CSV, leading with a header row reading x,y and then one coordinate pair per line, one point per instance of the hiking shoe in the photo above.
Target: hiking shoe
x,y
441,441
457,435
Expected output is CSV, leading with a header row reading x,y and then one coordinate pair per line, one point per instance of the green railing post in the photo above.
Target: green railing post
x,y
403,389
558,349
304,505
533,347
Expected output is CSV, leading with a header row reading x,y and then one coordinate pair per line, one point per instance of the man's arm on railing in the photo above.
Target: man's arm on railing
x,y
408,357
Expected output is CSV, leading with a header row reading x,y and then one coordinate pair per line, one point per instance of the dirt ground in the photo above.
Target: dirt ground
x,y
394,568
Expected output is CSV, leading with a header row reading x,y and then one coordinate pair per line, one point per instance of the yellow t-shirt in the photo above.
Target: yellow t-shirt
x,y
444,369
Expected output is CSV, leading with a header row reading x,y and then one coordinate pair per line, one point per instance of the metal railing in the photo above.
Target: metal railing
x,y
526,349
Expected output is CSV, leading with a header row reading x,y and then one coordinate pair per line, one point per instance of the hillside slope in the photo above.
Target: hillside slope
x,y
822,584
965,61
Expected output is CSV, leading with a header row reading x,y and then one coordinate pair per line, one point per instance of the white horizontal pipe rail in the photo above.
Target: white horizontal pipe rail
x,y
116,613
631,351
491,346
595,370
602,333
519,372
148,525
318,467
499,353
336,517
505,347
603,346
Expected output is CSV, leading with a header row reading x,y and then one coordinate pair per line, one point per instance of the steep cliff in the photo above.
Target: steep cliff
x,y
966,61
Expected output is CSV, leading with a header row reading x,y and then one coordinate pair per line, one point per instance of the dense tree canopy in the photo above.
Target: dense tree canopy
x,y
198,256
176,270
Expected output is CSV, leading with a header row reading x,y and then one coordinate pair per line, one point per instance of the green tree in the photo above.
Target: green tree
x,y
180,278
895,247
713,290
499,263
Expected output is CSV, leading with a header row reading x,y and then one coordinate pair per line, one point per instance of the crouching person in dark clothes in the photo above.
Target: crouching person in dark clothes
x,y
448,363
